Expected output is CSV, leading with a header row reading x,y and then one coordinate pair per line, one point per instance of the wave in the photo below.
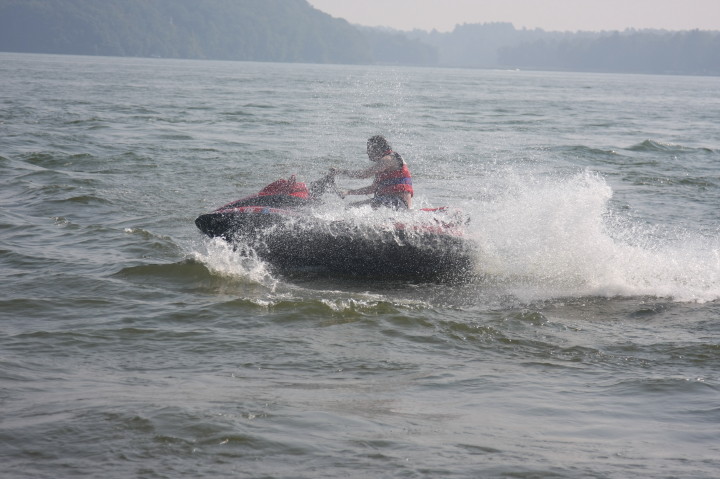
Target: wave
x,y
650,146
184,271
582,150
658,146
233,261
558,236
53,160
93,122
248,283
213,268
83,199
700,183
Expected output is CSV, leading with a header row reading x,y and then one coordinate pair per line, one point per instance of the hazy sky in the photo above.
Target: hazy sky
x,y
550,15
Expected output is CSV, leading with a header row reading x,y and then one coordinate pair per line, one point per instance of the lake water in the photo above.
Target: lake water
x,y
587,345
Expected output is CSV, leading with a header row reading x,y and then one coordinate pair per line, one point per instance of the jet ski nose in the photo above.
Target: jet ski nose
x,y
209,224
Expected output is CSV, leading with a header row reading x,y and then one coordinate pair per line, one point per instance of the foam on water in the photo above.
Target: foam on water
x,y
546,236
236,261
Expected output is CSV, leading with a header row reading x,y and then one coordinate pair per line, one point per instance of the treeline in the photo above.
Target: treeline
x,y
500,45
251,30
294,31
691,52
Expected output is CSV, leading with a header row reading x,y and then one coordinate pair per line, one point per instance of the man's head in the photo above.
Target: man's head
x,y
377,147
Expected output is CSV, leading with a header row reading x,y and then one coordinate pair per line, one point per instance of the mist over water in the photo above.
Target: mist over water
x,y
584,344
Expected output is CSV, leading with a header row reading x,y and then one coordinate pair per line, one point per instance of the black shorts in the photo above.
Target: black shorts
x,y
388,201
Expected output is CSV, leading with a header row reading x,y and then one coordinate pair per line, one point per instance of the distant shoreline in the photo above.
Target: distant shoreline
x,y
291,31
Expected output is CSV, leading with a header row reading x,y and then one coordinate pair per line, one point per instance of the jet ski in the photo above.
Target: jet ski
x,y
284,225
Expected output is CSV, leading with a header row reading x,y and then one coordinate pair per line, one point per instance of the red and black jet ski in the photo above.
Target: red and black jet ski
x,y
282,225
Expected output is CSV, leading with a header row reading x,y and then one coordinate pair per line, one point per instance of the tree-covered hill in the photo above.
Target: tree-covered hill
x,y
294,31
260,30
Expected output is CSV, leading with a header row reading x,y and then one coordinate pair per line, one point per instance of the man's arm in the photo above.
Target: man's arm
x,y
381,165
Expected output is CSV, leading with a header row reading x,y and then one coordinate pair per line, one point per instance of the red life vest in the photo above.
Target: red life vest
x,y
394,182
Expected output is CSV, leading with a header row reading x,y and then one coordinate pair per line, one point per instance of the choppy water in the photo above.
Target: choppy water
x,y
131,346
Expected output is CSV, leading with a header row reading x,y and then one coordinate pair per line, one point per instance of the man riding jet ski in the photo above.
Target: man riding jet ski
x,y
281,223
393,182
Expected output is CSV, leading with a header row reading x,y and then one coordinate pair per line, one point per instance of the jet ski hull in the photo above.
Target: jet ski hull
x,y
293,242
279,226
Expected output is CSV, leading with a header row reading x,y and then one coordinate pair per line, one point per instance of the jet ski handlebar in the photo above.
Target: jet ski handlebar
x,y
323,185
